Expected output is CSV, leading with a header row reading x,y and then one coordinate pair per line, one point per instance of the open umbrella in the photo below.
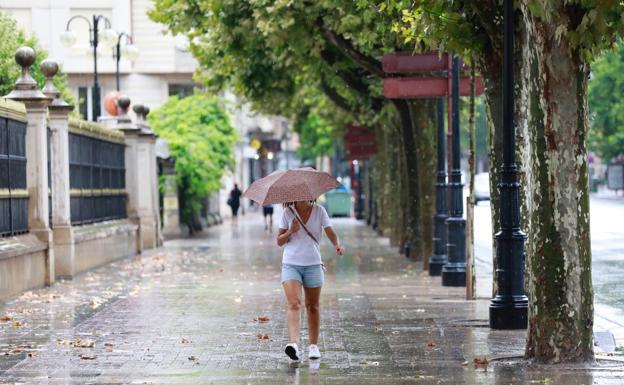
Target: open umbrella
x,y
300,184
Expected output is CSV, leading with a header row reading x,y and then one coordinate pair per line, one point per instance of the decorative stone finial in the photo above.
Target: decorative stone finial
x,y
50,68
123,103
141,111
26,87
25,57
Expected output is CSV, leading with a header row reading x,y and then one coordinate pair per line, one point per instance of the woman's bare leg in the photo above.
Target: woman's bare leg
x,y
313,310
292,289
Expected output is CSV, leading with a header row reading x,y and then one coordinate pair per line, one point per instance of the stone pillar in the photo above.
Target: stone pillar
x,y
171,209
36,103
59,170
141,175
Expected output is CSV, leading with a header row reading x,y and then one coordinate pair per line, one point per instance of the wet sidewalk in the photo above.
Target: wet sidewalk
x,y
188,313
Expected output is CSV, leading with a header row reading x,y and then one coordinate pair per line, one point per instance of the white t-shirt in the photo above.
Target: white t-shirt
x,y
301,250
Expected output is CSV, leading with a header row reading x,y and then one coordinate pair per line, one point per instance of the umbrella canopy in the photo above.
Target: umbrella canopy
x,y
301,184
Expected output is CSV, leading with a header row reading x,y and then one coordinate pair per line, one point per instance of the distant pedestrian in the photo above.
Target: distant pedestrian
x,y
300,231
267,212
234,200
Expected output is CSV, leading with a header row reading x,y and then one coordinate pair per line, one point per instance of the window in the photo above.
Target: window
x,y
181,90
84,100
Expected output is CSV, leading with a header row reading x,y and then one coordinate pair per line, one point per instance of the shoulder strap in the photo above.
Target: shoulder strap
x,y
303,226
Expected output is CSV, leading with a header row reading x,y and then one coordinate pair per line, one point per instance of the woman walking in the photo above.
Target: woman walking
x,y
300,231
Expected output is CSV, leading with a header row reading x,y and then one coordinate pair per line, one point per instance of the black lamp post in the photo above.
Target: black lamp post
x,y
129,50
68,38
454,271
508,309
438,259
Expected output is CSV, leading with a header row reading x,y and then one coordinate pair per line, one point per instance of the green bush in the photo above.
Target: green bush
x,y
201,139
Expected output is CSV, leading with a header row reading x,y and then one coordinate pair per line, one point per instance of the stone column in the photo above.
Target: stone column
x,y
59,170
36,103
141,175
171,209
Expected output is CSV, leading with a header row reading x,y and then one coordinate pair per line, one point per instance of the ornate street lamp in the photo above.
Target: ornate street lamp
x,y
439,258
129,50
454,271
107,37
509,308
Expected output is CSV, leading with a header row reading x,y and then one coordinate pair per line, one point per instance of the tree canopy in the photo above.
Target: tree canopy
x,y
201,140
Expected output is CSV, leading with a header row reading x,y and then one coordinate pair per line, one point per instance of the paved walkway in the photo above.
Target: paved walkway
x,y
187,313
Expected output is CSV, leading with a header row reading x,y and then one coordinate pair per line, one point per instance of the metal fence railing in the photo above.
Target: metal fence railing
x,y
97,179
13,193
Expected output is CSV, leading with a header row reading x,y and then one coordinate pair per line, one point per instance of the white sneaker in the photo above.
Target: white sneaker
x,y
292,351
313,352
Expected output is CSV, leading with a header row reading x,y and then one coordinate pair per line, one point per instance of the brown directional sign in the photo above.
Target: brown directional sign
x,y
426,87
404,62
359,143
407,62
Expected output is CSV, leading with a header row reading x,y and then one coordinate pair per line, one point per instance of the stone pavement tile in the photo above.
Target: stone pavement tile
x,y
188,313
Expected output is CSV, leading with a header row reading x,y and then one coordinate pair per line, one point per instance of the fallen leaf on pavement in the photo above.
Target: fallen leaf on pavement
x,y
16,350
108,344
263,318
431,344
480,361
84,343
5,318
262,336
94,303
185,341
17,324
87,357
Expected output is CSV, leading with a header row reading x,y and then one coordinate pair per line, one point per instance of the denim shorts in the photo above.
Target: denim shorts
x,y
309,276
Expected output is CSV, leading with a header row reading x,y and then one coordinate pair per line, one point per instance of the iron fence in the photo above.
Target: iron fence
x,y
13,193
97,179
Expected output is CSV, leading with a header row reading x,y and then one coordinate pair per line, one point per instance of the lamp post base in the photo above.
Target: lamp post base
x,y
436,262
454,274
509,312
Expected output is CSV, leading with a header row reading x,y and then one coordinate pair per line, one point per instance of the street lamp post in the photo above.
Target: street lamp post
x,y
129,50
454,271
438,259
107,36
509,308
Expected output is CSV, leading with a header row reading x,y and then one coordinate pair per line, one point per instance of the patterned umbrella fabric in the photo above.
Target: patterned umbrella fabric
x,y
301,184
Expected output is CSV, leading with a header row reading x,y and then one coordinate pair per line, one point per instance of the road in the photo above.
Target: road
x,y
607,234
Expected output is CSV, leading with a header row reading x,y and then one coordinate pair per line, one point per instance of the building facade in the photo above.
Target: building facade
x,y
163,66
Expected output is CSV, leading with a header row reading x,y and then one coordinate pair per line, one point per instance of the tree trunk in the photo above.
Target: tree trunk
x,y
383,170
558,248
491,69
471,282
424,126
412,204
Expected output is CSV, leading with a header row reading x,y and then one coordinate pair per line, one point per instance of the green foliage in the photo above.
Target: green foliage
x,y
606,104
12,39
280,54
481,131
315,134
201,140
